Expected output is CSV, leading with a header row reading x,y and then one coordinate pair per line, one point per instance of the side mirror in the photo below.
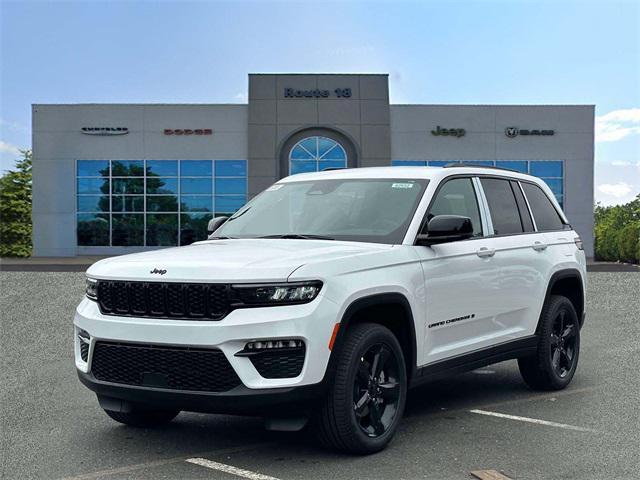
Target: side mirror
x,y
215,223
444,229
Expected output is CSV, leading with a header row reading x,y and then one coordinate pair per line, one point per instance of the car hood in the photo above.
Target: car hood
x,y
234,260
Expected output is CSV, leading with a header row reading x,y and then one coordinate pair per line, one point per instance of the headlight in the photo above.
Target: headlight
x,y
284,294
91,289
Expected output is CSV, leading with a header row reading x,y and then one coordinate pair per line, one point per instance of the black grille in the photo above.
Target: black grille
x,y
279,364
84,351
193,301
179,368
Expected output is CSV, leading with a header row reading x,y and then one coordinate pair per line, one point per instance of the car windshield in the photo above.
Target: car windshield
x,y
363,210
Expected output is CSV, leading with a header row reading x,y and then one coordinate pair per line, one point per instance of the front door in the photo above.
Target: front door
x,y
461,278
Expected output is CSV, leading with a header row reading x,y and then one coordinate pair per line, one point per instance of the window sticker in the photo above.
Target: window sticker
x,y
402,185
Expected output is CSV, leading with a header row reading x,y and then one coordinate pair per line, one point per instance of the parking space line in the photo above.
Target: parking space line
x,y
532,420
222,467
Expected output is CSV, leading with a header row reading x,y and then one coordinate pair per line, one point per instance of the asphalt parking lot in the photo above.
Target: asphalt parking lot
x,y
53,428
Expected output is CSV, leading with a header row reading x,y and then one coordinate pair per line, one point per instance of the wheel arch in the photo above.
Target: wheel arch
x,y
568,283
376,308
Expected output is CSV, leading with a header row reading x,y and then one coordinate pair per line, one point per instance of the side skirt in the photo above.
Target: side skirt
x,y
521,347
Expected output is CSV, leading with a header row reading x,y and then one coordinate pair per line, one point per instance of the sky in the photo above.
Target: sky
x,y
435,52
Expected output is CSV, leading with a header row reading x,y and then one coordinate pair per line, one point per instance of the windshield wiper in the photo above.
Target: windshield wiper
x,y
221,237
299,236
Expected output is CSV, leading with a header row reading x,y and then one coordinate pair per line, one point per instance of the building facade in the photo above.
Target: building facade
x,y
118,178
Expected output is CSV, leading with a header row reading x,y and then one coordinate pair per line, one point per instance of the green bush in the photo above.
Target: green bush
x,y
617,232
15,209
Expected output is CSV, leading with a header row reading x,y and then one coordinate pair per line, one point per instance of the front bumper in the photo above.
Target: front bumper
x,y
312,323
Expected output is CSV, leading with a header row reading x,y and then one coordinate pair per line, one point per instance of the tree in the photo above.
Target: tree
x,y
15,209
617,232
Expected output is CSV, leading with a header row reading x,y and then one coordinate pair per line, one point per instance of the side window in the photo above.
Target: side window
x,y
502,205
522,207
544,213
457,197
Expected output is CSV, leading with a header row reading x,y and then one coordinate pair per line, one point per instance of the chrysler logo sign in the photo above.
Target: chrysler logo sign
x,y
104,130
513,132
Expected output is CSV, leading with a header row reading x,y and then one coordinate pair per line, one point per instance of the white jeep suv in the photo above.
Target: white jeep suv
x,y
330,294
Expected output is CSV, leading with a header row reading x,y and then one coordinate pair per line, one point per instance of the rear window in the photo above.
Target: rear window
x,y
544,213
502,205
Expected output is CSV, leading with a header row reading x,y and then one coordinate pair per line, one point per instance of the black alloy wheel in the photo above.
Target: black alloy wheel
x,y
563,344
376,390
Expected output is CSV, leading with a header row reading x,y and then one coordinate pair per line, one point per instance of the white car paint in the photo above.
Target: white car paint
x,y
502,294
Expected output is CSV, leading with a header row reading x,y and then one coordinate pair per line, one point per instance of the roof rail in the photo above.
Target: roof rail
x,y
454,165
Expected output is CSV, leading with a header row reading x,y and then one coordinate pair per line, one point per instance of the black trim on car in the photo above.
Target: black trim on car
x,y
561,275
478,358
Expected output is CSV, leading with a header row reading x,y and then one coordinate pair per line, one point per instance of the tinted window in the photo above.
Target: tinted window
x,y
527,223
457,197
544,212
502,205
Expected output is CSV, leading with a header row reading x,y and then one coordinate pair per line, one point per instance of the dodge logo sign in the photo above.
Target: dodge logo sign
x,y
513,132
104,130
188,131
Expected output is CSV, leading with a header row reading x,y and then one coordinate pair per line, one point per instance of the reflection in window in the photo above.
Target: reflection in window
x,y
154,202
314,154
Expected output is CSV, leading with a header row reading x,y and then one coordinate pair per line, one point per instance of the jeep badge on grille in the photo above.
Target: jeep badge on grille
x,y
158,271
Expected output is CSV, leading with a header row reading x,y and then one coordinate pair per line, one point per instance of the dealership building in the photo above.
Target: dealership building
x,y
119,178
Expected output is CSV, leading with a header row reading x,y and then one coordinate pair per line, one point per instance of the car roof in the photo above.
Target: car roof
x,y
429,173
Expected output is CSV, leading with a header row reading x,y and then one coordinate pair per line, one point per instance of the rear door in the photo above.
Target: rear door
x,y
521,259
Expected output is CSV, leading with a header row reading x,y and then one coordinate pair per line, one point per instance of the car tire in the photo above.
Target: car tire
x,y
362,409
556,359
143,416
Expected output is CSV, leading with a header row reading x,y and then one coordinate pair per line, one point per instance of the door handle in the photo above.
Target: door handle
x,y
485,252
539,246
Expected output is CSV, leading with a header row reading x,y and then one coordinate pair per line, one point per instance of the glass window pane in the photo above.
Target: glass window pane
x,y
157,185
128,230
193,227
440,163
513,165
544,213
231,168
162,230
162,203
93,185
127,168
127,185
229,204
310,145
231,185
302,166
336,153
324,164
502,206
162,168
195,204
93,230
546,169
555,184
127,203
299,153
196,185
458,197
195,168
93,168
93,203
408,163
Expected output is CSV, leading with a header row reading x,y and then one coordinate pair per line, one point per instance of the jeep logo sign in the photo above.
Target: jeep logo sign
x,y
451,132
513,132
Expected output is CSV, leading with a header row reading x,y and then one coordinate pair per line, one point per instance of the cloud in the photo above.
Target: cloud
x,y
618,124
617,190
8,148
242,97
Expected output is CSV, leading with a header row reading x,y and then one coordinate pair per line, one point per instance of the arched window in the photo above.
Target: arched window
x,y
314,154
